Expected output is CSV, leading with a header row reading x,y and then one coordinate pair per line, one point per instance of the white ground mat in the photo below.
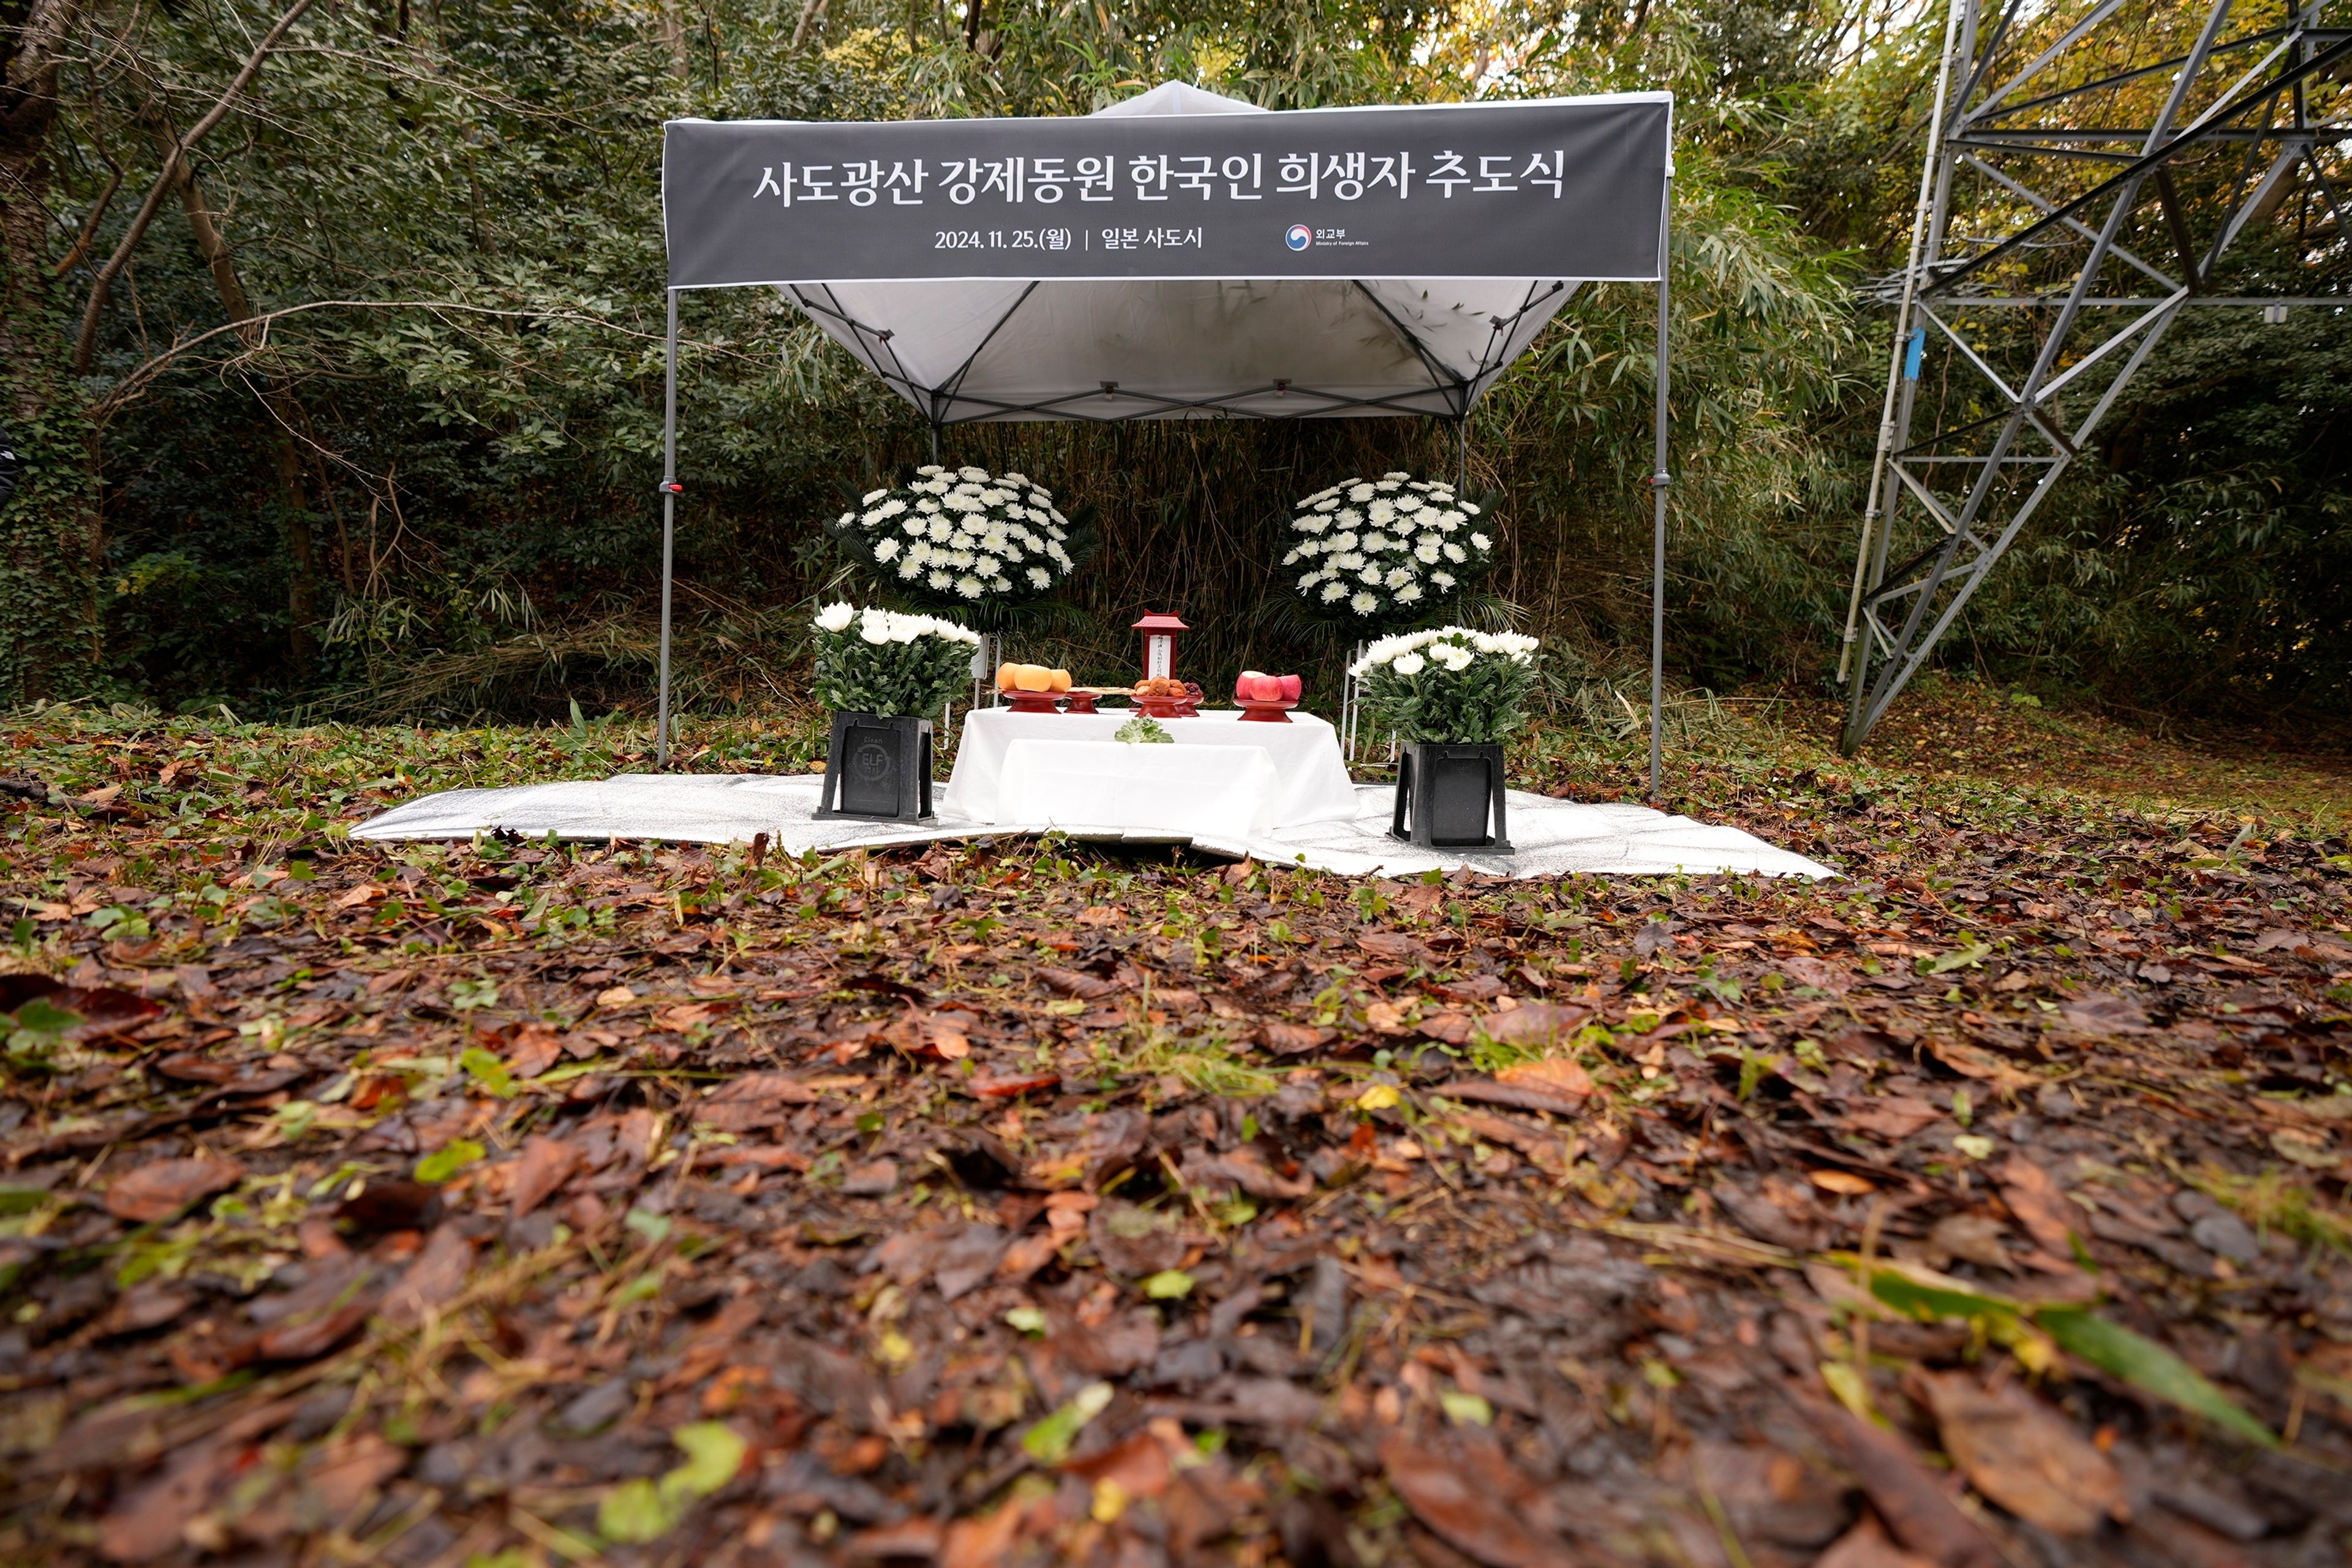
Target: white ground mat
x,y
1552,837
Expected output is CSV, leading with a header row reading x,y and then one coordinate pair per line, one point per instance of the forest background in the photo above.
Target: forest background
x,y
356,411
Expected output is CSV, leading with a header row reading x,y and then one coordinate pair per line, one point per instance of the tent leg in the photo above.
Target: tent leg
x,y
1658,520
1462,454
669,527
935,446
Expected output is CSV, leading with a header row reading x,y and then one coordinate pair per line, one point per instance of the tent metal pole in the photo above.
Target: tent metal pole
x,y
935,444
669,524
1462,454
1658,481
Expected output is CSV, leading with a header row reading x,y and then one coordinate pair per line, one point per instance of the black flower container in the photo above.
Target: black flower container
x,y
878,768
1450,797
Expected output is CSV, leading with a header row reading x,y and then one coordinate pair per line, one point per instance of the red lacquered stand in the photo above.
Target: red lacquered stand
x,y
1257,712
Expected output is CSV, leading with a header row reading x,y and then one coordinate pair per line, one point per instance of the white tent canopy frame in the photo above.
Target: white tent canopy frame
x,y
998,348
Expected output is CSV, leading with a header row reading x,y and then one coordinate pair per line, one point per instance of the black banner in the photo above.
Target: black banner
x,y
1559,189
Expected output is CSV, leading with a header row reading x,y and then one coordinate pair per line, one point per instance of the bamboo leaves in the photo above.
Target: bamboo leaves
x,y
2029,1329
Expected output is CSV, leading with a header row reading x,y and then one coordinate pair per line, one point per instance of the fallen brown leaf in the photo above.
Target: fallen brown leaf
x,y
1555,1075
1893,1117
1535,1026
1901,1488
539,1171
1866,1546
1072,982
434,1276
1393,945
991,1086
2047,1213
1293,1039
1464,1492
158,1191
148,1523
1522,1096
2102,1012
2024,1457
534,1048
755,1101
1452,1027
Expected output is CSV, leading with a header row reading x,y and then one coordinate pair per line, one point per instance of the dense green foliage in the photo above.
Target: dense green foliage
x,y
2205,555
428,486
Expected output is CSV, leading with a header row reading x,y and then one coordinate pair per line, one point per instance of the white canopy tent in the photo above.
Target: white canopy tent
x,y
1364,307
1106,348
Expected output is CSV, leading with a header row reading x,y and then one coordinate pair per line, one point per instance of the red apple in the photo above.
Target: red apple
x,y
1270,688
1245,688
1290,688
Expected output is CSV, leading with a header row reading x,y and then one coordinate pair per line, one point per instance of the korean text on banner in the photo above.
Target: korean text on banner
x,y
1555,189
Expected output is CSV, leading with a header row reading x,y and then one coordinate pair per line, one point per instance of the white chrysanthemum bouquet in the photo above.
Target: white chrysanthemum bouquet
x,y
1386,551
964,540
1450,685
880,661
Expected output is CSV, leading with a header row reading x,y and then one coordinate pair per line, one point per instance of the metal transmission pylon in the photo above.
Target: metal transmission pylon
x,y
2088,166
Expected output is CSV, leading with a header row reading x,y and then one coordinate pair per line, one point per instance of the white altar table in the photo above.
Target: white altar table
x,y
1310,781
1213,792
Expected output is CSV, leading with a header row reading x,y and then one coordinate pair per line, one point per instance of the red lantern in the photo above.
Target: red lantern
x,y
1159,645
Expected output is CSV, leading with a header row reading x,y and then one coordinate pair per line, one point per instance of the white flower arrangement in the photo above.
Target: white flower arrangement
x,y
878,625
885,661
1452,684
1453,648
964,538
1377,551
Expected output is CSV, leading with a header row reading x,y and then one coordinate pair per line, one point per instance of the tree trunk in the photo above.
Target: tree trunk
x,y
50,536
175,158
672,32
302,560
284,417
810,11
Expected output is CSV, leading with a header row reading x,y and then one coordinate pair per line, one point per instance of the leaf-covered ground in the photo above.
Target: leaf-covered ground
x,y
517,1204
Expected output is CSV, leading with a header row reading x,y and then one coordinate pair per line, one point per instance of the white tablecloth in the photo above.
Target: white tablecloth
x,y
1217,792
1555,838
1311,781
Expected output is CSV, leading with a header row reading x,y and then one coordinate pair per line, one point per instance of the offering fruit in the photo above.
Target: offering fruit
x,y
1031,678
1159,686
1256,687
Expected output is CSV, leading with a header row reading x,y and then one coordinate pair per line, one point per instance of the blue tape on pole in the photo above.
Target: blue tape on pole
x,y
1914,354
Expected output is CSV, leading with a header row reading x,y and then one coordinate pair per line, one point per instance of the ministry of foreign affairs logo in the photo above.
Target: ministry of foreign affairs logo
x,y
1299,237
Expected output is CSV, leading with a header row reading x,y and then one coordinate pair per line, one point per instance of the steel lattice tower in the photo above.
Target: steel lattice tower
x,y
2087,170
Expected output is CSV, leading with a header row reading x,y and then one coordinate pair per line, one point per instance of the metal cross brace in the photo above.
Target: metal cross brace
x,y
2073,153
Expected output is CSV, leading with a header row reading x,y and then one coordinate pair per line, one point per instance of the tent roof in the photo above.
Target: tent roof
x,y
969,350
1180,98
